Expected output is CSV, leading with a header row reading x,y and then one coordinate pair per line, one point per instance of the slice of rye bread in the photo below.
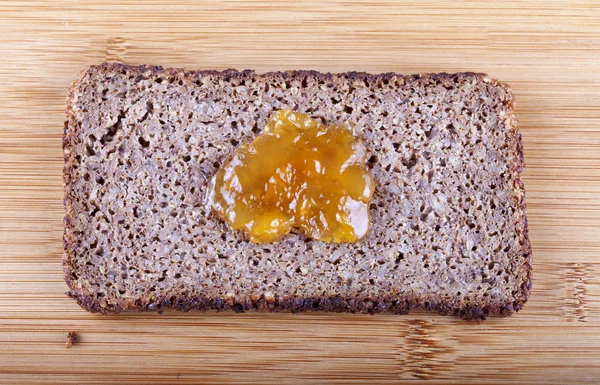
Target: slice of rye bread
x,y
448,219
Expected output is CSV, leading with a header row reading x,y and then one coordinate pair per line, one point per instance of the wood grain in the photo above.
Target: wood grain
x,y
548,51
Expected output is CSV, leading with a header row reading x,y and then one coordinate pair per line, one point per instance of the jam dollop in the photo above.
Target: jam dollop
x,y
299,174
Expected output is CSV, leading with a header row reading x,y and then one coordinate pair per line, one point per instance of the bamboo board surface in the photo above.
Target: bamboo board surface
x,y
548,51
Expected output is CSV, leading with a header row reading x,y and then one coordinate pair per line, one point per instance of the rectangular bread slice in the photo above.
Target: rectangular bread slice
x,y
448,218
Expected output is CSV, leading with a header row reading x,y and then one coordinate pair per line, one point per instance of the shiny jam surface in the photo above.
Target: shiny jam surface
x,y
297,174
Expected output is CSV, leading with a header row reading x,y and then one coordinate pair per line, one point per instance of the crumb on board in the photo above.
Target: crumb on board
x,y
71,338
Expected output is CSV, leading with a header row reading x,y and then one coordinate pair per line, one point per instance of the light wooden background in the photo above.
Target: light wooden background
x,y
549,51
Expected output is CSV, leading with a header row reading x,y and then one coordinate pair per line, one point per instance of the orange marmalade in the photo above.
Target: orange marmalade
x,y
297,174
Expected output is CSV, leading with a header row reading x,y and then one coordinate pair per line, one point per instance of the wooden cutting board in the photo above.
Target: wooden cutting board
x,y
548,51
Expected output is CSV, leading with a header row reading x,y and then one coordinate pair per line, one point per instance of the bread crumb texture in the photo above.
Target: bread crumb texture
x,y
71,339
448,219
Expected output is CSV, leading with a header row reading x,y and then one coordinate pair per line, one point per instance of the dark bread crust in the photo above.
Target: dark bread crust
x,y
385,304
472,309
